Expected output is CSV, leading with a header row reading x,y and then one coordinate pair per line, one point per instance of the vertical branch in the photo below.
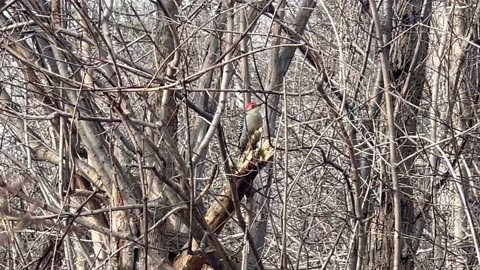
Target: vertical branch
x,y
171,42
244,69
391,134
202,98
244,49
436,115
275,74
284,255
106,34
227,70
99,240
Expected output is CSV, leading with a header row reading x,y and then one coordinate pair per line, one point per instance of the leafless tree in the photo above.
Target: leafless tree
x,y
119,143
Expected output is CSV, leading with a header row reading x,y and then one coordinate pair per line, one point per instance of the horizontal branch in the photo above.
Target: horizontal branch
x,y
58,114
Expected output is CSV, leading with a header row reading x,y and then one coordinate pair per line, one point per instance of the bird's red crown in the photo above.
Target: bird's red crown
x,y
250,105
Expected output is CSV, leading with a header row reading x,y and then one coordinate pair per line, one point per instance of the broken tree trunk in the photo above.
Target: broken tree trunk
x,y
223,207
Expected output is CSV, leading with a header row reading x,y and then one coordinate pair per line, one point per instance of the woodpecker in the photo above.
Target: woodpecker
x,y
251,122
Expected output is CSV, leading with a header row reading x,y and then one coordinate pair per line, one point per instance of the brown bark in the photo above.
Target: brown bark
x,y
223,207
407,66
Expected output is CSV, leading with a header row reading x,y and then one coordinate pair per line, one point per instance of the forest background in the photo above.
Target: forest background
x,y
119,134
